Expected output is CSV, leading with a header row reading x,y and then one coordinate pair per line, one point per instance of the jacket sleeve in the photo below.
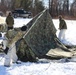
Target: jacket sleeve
x,y
6,20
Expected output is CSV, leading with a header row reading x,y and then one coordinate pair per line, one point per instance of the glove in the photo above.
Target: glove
x,y
24,28
6,50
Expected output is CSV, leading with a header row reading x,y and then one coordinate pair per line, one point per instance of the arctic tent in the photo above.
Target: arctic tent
x,y
41,38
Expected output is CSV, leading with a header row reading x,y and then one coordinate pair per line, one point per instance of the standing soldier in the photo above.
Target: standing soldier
x,y
13,36
10,34
10,21
62,28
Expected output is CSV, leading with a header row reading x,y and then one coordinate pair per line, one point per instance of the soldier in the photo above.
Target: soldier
x,y
62,28
10,21
13,36
11,48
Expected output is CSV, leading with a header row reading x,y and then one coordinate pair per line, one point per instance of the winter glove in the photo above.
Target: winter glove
x,y
23,28
6,50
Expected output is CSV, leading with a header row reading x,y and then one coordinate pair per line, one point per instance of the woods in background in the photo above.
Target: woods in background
x,y
35,6
62,7
55,7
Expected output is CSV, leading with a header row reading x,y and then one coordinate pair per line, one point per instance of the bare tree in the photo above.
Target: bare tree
x,y
66,7
73,8
53,7
3,6
35,6
58,7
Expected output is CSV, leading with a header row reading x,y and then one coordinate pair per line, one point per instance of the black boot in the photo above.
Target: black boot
x,y
6,50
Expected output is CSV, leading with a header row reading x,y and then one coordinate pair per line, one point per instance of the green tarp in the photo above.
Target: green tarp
x,y
41,34
41,38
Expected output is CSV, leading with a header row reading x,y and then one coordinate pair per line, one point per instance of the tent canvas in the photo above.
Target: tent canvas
x,y
41,38
41,34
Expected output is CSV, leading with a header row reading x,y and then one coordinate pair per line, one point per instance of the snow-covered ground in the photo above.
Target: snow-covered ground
x,y
48,67
70,37
19,22
40,68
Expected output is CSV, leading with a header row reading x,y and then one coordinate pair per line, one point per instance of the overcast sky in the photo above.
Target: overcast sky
x,y
46,2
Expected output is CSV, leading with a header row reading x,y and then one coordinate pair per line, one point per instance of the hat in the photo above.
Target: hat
x,y
9,13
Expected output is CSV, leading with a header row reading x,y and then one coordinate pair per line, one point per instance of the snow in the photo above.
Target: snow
x,y
47,67
19,22
70,33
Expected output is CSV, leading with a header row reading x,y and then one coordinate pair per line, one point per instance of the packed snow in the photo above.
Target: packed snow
x,y
19,22
44,67
70,33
